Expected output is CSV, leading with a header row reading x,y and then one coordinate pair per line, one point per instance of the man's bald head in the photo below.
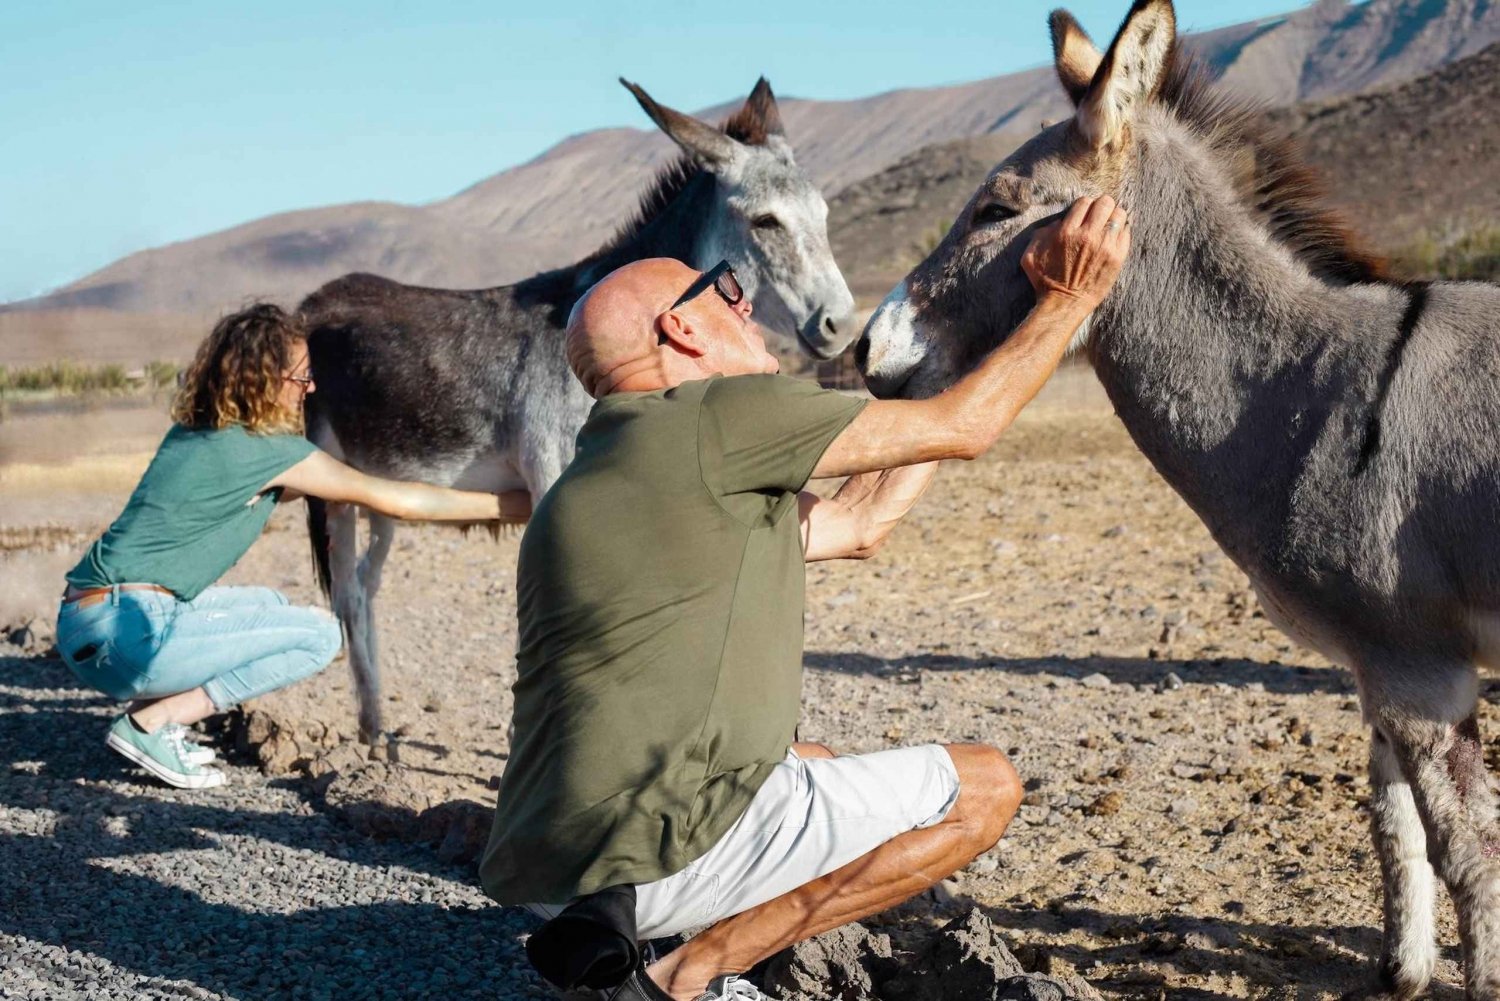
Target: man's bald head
x,y
614,325
625,334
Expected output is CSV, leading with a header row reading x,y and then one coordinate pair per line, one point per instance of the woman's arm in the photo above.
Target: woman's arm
x,y
855,521
321,475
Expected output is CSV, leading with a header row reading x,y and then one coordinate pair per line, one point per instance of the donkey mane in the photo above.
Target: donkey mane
x,y
1273,177
747,125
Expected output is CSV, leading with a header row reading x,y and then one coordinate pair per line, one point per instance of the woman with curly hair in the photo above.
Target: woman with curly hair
x,y
140,619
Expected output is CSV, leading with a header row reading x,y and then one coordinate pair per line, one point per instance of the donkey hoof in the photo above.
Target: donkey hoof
x,y
1388,987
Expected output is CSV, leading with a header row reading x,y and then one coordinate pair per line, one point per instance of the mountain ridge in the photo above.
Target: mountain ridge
x,y
570,198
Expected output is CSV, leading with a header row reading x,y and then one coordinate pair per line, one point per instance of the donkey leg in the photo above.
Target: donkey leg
x,y
351,604
371,569
1443,759
1408,951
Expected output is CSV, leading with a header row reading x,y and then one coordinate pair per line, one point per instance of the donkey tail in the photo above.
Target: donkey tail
x,y
317,537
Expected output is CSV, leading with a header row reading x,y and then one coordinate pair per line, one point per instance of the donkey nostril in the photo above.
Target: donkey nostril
x,y
862,352
830,326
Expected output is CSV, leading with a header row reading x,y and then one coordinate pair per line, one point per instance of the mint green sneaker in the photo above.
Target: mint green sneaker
x,y
163,754
196,752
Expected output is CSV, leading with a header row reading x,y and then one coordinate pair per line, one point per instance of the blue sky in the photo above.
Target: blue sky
x,y
127,125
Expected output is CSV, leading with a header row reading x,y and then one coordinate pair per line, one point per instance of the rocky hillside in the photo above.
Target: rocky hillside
x,y
1411,162
1414,161
566,201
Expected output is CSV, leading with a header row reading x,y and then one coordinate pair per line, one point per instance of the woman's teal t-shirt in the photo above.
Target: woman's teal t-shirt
x,y
195,512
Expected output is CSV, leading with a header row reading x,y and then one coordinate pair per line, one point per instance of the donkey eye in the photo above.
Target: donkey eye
x,y
992,213
766,221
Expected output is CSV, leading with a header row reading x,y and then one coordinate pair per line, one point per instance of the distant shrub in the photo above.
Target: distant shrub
x,y
70,378
1472,254
162,374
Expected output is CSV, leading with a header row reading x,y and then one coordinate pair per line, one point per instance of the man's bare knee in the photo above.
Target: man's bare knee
x,y
807,749
989,791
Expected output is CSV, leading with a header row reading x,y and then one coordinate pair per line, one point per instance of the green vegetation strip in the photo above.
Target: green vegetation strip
x,y
69,378
1469,255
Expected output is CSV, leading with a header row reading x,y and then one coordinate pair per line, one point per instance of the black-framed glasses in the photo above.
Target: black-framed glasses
x,y
722,279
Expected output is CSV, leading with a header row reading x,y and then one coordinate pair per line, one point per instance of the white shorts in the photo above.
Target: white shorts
x,y
812,816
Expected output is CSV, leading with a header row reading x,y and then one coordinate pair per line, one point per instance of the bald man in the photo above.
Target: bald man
x,y
660,602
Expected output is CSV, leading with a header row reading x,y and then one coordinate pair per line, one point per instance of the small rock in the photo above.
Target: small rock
x,y
945,891
1096,680
983,865
1114,531
279,753
1106,805
1004,547
1184,807
1036,987
1169,684
846,597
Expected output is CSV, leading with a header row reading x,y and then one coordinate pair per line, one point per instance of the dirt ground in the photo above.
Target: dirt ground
x,y
1195,824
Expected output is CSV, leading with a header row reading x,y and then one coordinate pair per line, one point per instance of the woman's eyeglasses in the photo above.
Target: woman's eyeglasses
x,y
302,380
722,279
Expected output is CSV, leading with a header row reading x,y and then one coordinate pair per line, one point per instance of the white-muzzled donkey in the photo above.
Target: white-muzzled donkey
x,y
471,389
1334,429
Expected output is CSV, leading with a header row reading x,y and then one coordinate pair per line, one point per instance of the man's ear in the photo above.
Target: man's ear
x,y
680,333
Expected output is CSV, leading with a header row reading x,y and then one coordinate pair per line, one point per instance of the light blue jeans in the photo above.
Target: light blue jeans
x,y
235,642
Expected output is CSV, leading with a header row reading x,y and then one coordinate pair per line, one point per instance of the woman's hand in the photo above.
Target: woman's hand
x,y
321,475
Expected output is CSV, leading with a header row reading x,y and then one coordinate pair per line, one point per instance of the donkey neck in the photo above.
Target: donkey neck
x,y
677,230
1226,359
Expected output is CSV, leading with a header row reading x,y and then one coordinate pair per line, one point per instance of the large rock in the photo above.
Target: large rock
x,y
845,964
459,828
379,799
968,960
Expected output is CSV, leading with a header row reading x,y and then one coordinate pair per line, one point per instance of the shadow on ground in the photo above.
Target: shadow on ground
x,y
249,891
244,890
1274,677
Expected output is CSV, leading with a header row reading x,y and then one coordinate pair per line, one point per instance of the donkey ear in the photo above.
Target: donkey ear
x,y
761,107
1074,53
709,147
1131,72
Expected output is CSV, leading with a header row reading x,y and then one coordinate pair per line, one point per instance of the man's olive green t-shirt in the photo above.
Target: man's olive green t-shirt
x,y
659,595
197,509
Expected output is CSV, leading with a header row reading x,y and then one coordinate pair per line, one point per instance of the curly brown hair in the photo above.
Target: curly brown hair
x,y
237,374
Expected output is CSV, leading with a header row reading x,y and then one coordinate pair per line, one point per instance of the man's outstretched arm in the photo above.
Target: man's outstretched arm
x,y
1072,265
855,521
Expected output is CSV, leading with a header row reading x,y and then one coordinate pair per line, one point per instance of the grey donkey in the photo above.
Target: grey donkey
x,y
471,388
1334,429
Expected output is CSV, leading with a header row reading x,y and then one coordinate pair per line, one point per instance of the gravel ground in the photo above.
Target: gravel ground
x,y
112,886
1195,824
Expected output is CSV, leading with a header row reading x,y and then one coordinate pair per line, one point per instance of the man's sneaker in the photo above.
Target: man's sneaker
x,y
163,754
196,752
732,988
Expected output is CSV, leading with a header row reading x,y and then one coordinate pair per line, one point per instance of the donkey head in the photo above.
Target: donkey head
x,y
766,218
970,292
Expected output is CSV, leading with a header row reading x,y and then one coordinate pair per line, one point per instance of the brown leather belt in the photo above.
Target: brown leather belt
x,y
94,595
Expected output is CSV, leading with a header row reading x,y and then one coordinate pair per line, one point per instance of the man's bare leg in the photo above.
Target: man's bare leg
x,y
989,792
